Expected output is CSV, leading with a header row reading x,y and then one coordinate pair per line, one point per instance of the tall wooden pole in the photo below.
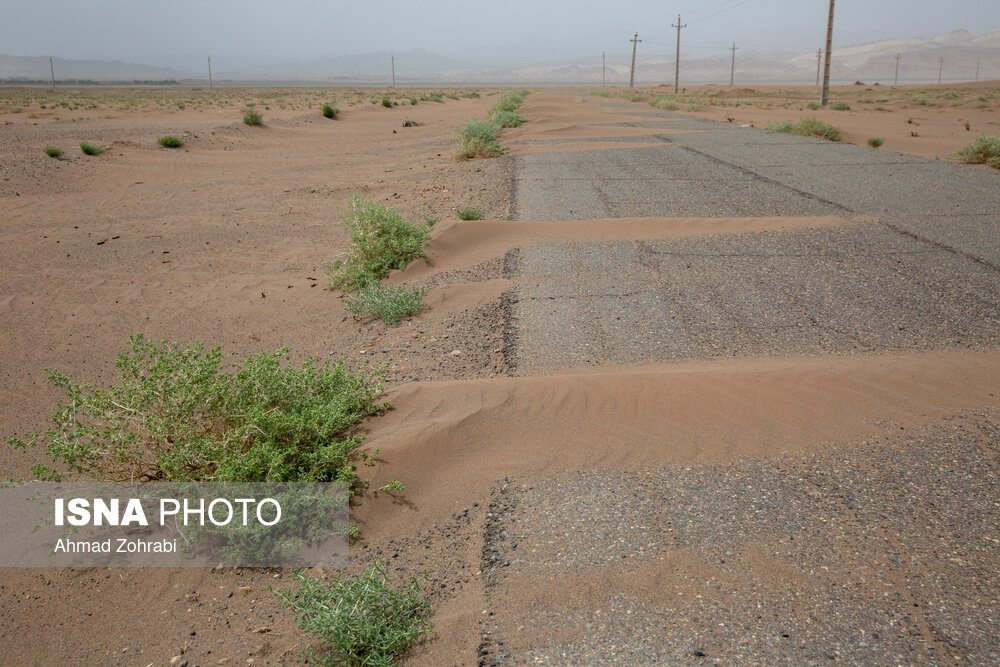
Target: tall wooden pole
x,y
604,70
393,59
825,96
819,63
895,80
635,42
210,72
732,66
677,60
52,73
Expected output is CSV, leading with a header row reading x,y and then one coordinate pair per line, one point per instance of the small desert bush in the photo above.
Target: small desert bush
x,y
600,92
923,100
170,141
386,102
470,213
89,149
252,118
362,620
983,150
808,127
509,102
479,139
329,111
875,142
508,119
52,151
665,102
840,106
813,106
387,302
176,416
381,240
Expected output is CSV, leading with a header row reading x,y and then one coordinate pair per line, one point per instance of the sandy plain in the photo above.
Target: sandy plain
x,y
225,241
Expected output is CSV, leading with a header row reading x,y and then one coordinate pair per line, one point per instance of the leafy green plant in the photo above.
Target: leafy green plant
x,y
252,118
875,142
387,302
600,92
170,141
381,240
923,100
840,106
386,102
479,139
89,149
174,416
469,213
362,620
329,111
807,127
982,150
813,106
508,119
665,102
52,151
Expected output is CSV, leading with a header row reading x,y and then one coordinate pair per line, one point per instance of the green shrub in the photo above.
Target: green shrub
x,y
170,141
808,127
387,302
600,92
88,149
509,102
663,102
252,118
413,101
52,151
174,416
386,102
508,119
922,100
813,106
362,619
470,213
329,111
381,240
875,142
983,150
479,138
840,106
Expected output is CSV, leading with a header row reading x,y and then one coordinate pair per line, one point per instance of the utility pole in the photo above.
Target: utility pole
x,y
895,80
677,62
940,69
635,42
825,95
604,70
392,58
52,72
977,71
732,67
210,72
819,61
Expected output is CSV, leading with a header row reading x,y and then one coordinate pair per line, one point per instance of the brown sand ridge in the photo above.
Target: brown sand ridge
x,y
226,242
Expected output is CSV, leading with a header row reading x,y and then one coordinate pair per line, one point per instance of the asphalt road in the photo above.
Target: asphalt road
x,y
884,552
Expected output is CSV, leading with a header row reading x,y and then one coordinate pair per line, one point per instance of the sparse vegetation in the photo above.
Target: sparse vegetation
x,y
174,416
252,118
600,92
478,138
813,106
381,240
508,119
89,149
387,302
665,102
808,127
170,141
875,142
52,151
982,150
840,106
470,213
329,111
923,100
387,103
363,620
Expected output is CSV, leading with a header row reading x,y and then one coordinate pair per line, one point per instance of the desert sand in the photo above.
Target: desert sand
x,y
225,241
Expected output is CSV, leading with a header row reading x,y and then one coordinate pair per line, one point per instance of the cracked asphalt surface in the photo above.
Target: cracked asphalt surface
x,y
880,552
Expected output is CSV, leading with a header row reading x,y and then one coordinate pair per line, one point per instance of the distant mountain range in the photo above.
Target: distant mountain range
x,y
958,56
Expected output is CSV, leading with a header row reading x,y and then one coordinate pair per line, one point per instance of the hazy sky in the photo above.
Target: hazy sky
x,y
252,32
